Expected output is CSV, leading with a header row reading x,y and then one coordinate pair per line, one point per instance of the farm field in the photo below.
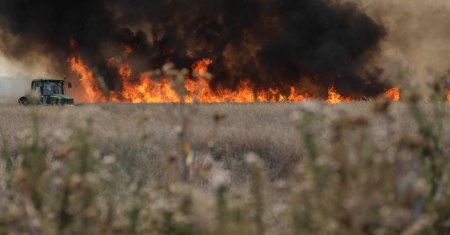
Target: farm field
x,y
254,117
371,167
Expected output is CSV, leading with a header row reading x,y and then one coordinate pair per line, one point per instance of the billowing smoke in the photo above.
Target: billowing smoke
x,y
16,76
418,34
272,43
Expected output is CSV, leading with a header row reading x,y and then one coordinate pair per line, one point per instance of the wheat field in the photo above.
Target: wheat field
x,y
372,167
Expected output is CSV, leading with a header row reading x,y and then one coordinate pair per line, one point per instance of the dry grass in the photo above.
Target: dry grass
x,y
361,168
143,133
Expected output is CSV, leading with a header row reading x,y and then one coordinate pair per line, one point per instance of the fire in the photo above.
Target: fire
x,y
148,90
334,97
143,88
393,94
201,67
200,89
244,93
87,80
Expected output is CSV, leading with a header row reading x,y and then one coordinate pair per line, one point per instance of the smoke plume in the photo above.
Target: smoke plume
x,y
16,75
272,43
418,34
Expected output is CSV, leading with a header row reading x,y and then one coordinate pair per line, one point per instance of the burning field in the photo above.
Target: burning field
x,y
226,51
226,117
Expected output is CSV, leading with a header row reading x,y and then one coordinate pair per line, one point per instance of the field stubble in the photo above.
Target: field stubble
x,y
361,168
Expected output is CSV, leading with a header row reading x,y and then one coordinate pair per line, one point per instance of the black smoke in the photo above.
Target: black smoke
x,y
270,42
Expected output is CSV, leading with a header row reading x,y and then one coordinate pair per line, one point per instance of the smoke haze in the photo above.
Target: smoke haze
x,y
418,34
12,87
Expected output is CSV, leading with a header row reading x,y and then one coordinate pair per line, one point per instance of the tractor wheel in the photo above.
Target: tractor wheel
x,y
24,101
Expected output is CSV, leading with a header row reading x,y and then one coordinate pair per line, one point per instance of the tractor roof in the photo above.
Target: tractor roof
x,y
48,80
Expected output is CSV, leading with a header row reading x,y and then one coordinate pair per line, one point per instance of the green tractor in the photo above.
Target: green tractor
x,y
47,92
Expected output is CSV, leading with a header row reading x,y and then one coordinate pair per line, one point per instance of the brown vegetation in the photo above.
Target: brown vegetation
x,y
362,168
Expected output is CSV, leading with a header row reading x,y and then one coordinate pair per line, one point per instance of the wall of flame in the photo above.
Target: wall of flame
x,y
162,90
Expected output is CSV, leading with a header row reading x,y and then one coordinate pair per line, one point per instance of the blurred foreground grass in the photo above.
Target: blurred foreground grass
x,y
361,168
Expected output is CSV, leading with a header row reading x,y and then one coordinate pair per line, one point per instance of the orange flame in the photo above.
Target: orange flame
x,y
201,67
149,91
87,80
146,89
393,94
334,97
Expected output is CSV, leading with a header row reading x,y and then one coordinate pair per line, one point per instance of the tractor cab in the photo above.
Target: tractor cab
x,y
47,87
47,92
